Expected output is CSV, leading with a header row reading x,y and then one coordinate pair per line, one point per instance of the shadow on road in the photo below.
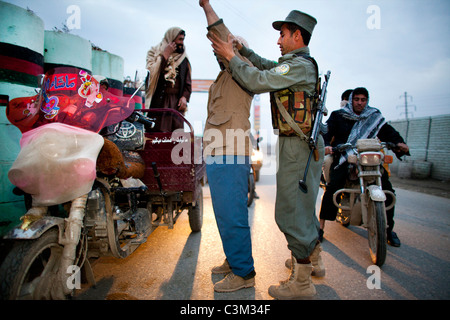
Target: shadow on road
x,y
180,285
98,292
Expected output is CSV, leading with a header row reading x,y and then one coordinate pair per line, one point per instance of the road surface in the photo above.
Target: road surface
x,y
175,264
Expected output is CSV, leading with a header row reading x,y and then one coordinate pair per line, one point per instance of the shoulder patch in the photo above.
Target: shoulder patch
x,y
282,69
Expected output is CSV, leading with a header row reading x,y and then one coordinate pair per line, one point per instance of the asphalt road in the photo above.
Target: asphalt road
x,y
175,264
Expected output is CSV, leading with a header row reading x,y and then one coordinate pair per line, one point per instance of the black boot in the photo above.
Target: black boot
x,y
392,239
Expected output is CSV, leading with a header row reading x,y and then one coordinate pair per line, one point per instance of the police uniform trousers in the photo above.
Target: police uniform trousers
x,y
295,211
228,183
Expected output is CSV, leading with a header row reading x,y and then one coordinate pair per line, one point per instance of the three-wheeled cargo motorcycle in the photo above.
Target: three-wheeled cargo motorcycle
x,y
97,177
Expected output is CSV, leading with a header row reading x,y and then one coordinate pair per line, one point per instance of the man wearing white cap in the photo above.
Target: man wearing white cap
x,y
292,83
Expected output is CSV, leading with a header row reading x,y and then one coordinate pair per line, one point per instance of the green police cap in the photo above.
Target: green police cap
x,y
299,18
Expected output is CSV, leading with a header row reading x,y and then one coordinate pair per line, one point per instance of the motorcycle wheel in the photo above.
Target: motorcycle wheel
x,y
251,189
376,228
196,212
30,268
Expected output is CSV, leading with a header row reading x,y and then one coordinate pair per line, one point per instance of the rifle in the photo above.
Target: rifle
x,y
316,130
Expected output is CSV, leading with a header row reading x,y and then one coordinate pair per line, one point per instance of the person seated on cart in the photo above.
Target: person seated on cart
x,y
357,120
170,84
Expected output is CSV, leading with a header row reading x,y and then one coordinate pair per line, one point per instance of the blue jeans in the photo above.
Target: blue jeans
x,y
228,182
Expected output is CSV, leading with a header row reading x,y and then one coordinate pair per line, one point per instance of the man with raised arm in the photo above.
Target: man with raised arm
x,y
227,149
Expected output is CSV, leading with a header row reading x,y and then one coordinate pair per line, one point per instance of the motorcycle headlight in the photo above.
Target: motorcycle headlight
x,y
370,159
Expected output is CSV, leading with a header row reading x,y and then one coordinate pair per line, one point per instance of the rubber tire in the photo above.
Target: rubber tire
x,y
376,229
196,212
23,255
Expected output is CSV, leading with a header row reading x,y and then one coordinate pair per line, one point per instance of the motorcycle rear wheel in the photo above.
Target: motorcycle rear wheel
x,y
376,229
30,268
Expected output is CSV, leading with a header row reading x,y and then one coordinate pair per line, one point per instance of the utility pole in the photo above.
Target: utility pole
x,y
407,112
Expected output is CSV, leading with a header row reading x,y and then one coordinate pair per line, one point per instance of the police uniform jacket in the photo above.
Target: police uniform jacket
x,y
292,71
291,81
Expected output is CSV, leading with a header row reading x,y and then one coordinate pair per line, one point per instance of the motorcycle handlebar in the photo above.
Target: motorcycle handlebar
x,y
135,116
390,145
344,146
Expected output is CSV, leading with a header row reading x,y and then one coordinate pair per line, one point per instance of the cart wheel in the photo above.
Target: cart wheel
x,y
196,212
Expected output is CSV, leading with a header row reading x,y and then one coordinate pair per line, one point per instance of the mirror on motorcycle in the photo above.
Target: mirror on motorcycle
x,y
40,83
40,79
141,79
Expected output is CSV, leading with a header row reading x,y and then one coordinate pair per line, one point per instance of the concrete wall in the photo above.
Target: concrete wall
x,y
429,143
21,30
22,48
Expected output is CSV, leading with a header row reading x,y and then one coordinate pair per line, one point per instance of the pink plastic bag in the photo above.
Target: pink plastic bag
x,y
56,163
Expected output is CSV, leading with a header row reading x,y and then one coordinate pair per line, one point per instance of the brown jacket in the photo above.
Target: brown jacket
x,y
227,129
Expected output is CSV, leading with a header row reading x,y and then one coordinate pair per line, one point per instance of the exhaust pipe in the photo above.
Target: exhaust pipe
x,y
70,241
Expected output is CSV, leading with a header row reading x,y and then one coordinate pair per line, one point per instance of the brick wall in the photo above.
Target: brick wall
x,y
429,143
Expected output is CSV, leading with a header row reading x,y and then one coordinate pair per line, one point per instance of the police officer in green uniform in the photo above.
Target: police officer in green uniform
x,y
292,83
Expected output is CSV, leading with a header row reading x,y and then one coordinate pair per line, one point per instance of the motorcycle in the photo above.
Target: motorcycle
x,y
95,182
362,200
